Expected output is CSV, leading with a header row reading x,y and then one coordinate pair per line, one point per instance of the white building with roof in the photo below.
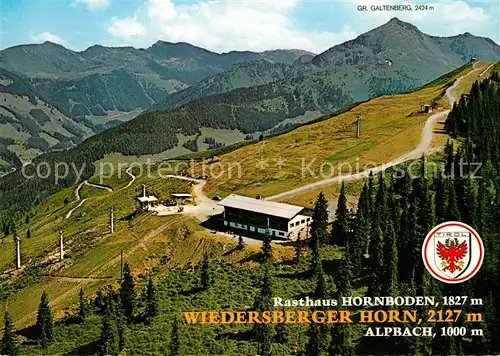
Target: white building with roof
x,y
257,216
145,202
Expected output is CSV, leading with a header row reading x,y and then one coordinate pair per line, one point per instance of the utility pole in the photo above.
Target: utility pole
x,y
111,221
61,246
358,126
121,265
18,252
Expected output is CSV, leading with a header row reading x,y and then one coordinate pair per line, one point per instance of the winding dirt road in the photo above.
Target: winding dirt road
x,y
131,176
422,147
79,198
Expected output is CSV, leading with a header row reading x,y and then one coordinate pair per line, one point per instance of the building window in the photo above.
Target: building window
x,y
302,221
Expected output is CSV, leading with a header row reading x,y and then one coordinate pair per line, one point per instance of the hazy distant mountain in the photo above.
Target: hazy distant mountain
x,y
100,78
393,57
403,43
30,125
245,91
241,75
53,97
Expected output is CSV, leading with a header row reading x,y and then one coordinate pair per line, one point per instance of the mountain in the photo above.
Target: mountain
x,y
54,98
30,125
102,79
240,75
390,54
403,43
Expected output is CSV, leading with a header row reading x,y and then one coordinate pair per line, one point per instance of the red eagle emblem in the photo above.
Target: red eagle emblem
x,y
451,254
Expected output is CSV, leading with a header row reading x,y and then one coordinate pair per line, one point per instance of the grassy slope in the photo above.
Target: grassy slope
x,y
388,130
85,233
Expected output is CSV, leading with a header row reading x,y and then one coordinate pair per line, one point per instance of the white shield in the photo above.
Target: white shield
x,y
453,267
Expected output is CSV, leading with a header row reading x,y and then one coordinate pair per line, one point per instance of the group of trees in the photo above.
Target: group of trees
x,y
383,239
43,329
117,309
121,308
212,143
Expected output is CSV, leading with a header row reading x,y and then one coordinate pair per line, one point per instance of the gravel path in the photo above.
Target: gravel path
x,y
423,147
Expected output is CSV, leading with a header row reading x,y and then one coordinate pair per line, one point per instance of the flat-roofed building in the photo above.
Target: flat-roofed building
x,y
257,216
145,202
182,198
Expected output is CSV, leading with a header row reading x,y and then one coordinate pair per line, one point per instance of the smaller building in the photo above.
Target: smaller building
x,y
426,108
145,202
182,198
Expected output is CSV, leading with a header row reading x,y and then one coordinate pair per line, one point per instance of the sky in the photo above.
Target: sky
x,y
225,25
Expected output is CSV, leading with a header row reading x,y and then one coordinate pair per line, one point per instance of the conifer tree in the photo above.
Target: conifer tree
x,y
382,210
8,344
358,239
175,338
205,273
267,249
440,199
99,302
407,242
281,335
28,233
315,254
313,347
340,343
340,228
264,333
390,254
449,157
377,264
469,201
151,300
452,212
393,208
320,290
319,223
344,277
110,336
44,322
370,197
127,293
82,307
263,300
241,244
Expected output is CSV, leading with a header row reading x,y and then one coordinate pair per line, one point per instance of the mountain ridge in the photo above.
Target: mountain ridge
x,y
403,44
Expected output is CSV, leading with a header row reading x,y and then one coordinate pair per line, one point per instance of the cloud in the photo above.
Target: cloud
x,y
127,27
228,25
94,4
47,36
